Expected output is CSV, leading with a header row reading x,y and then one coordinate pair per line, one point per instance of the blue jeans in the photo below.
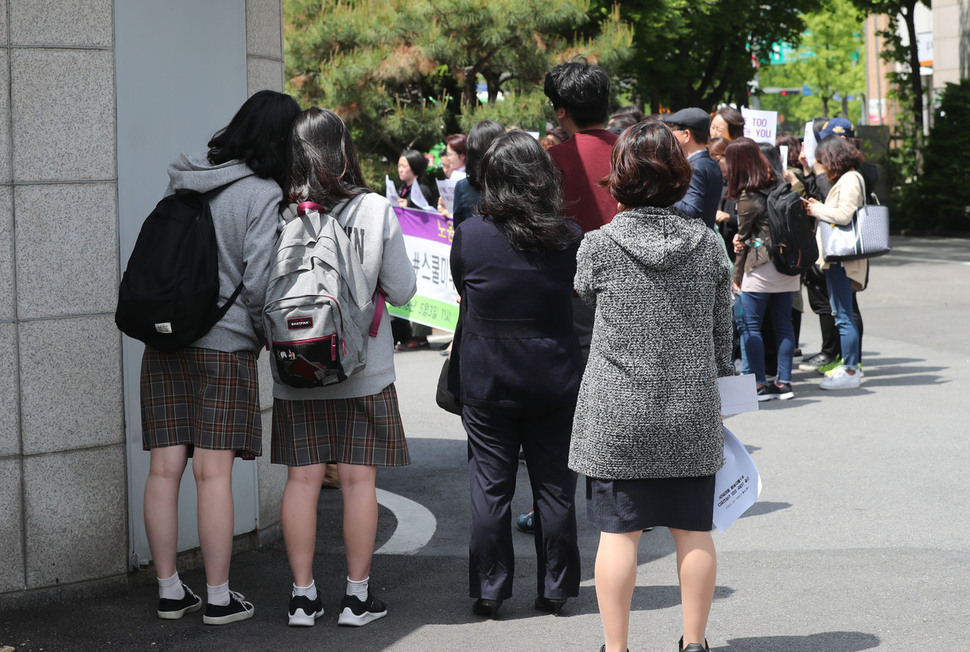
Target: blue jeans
x,y
754,306
840,298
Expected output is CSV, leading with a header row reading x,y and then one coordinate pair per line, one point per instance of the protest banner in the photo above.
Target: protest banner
x,y
760,126
428,237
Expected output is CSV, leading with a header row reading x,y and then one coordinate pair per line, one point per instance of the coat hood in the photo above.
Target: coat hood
x,y
194,172
657,238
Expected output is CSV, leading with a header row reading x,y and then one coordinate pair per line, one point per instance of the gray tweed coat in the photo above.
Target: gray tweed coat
x,y
648,404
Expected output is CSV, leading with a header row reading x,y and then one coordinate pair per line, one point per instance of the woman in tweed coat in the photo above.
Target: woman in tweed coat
x,y
647,432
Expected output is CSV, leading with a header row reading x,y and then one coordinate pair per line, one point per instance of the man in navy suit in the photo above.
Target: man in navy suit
x,y
692,127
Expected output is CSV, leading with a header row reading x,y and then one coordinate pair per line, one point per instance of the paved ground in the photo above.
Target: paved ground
x,y
859,541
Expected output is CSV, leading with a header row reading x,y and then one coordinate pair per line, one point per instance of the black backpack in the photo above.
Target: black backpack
x,y
169,293
793,247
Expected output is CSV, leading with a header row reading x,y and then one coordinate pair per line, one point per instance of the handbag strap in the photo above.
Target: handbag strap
x,y
862,181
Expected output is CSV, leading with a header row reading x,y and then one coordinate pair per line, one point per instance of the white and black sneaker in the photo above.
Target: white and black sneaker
x,y
237,609
354,613
304,611
169,609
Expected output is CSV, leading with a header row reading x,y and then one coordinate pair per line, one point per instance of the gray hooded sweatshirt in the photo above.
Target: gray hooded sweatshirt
x,y
245,216
648,403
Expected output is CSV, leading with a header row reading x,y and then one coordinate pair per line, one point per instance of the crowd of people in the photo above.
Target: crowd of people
x,y
598,308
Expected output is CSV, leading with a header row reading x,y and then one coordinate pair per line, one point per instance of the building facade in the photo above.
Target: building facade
x,y
98,96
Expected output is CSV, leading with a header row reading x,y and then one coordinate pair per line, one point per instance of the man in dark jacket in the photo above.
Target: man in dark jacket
x,y
692,127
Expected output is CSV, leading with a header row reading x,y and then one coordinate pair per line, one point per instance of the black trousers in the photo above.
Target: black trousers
x,y
494,438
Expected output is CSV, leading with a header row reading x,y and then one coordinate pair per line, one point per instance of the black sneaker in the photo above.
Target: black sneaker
x,y
169,609
354,613
784,391
304,611
237,609
768,392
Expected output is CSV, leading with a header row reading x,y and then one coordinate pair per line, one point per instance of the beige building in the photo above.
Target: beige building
x,y
98,96
943,38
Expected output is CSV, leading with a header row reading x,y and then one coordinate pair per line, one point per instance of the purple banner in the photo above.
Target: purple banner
x,y
425,225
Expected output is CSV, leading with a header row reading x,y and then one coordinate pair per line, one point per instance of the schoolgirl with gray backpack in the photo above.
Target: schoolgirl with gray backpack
x,y
318,316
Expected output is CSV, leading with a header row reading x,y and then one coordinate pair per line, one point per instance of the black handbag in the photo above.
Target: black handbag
x,y
443,396
866,236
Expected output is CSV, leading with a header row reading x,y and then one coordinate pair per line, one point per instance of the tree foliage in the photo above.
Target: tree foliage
x,y
701,52
405,73
940,200
829,61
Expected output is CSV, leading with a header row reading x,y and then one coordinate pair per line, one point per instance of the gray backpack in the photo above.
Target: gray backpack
x,y
319,313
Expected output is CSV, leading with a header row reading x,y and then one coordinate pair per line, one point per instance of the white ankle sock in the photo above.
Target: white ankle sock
x,y
309,591
358,589
218,595
170,588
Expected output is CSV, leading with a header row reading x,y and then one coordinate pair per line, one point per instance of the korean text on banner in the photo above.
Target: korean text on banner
x,y
760,126
428,237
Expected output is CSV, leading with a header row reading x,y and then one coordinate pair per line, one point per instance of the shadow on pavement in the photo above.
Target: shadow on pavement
x,y
828,641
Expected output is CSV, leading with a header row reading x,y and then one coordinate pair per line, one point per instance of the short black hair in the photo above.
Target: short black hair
x,y
257,135
479,139
416,160
580,88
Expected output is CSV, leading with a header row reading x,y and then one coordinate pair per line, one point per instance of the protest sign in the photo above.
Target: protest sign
x,y
809,143
428,237
390,191
446,190
760,126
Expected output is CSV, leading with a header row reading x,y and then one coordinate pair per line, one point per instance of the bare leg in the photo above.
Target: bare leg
x,y
213,483
697,570
360,517
161,505
616,575
299,518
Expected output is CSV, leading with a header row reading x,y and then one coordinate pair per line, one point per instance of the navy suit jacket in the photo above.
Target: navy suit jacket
x,y
704,193
515,345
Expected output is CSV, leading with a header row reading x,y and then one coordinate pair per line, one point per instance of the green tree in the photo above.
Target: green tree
x,y
701,52
940,200
405,73
828,61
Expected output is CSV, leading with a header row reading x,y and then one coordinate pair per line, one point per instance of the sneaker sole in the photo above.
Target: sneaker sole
x,y
175,615
763,399
229,618
348,618
303,619
785,397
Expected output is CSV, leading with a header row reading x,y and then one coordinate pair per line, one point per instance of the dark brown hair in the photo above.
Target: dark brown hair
x,y
748,169
838,156
457,143
734,120
794,145
648,167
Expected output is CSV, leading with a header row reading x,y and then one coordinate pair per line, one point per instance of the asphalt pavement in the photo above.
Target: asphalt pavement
x,y
858,542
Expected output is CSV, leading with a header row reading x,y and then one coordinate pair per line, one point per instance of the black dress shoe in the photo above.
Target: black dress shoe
x,y
550,605
486,607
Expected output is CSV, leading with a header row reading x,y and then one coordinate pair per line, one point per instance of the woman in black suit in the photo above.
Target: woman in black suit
x,y
516,368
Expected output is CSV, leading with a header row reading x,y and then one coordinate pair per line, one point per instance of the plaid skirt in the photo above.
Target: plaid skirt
x,y
366,430
200,397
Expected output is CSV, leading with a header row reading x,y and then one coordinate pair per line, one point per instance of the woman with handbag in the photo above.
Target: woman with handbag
x,y
841,161
650,442
516,367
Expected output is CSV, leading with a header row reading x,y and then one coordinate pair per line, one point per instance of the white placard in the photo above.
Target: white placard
x,y
809,143
760,126
446,190
738,394
390,191
783,153
737,485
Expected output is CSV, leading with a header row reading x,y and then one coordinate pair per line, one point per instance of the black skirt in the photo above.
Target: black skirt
x,y
621,506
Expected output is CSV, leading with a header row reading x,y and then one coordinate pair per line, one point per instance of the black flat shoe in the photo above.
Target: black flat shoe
x,y
693,647
486,607
550,605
